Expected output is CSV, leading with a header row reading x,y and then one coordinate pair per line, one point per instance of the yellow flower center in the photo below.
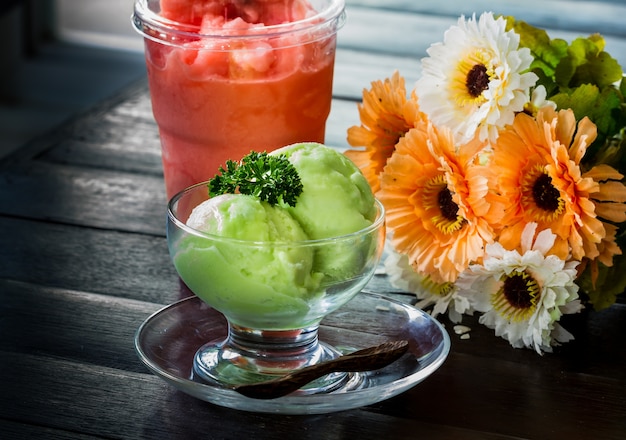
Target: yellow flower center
x,y
437,196
440,289
517,298
539,197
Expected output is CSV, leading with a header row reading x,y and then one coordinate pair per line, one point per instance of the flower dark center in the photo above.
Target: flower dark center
x,y
546,196
444,212
477,80
517,298
449,209
540,199
516,291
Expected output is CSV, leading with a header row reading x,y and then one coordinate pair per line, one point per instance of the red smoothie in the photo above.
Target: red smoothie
x,y
240,76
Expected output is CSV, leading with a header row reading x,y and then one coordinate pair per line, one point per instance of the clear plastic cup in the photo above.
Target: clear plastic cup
x,y
221,87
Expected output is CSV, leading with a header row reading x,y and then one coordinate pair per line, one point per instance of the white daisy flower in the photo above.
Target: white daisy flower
x,y
524,294
444,297
473,81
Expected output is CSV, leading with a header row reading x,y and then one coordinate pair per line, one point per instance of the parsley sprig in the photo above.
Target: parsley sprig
x,y
270,178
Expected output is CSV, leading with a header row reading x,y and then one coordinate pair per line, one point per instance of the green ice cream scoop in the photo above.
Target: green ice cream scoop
x,y
336,198
258,284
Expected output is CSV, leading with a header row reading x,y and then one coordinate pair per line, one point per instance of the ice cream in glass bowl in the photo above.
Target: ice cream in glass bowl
x,y
275,243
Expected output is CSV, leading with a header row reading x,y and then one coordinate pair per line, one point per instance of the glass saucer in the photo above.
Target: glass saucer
x,y
168,340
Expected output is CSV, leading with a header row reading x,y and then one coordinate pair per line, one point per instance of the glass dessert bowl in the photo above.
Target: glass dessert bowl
x,y
274,294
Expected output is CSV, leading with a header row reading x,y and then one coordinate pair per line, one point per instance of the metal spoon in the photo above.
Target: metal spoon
x,y
372,358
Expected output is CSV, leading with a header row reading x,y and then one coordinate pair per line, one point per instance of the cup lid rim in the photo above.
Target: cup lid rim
x,y
152,25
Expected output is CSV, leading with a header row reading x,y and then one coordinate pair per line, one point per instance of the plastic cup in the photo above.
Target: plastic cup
x,y
221,88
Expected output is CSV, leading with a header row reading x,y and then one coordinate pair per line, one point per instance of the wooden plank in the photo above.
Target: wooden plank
x,y
343,115
599,348
112,403
84,196
110,141
109,262
576,15
356,69
132,405
77,326
467,388
410,34
85,327
13,430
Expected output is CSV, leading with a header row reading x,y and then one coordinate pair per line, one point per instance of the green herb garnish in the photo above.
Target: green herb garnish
x,y
270,178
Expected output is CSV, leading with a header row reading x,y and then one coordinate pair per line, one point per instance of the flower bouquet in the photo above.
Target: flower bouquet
x,y
502,173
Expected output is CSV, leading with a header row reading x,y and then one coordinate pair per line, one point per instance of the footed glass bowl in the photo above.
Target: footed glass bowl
x,y
273,294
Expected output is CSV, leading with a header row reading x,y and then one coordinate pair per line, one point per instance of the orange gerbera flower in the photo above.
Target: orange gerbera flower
x,y
538,163
438,202
386,115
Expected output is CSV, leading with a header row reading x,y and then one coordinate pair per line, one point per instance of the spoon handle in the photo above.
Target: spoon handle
x,y
372,358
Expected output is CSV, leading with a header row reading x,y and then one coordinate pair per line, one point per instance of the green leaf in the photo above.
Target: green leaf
x,y
612,152
551,87
610,283
546,52
587,63
598,105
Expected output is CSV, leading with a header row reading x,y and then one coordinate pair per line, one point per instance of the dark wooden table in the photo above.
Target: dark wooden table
x,y
84,262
